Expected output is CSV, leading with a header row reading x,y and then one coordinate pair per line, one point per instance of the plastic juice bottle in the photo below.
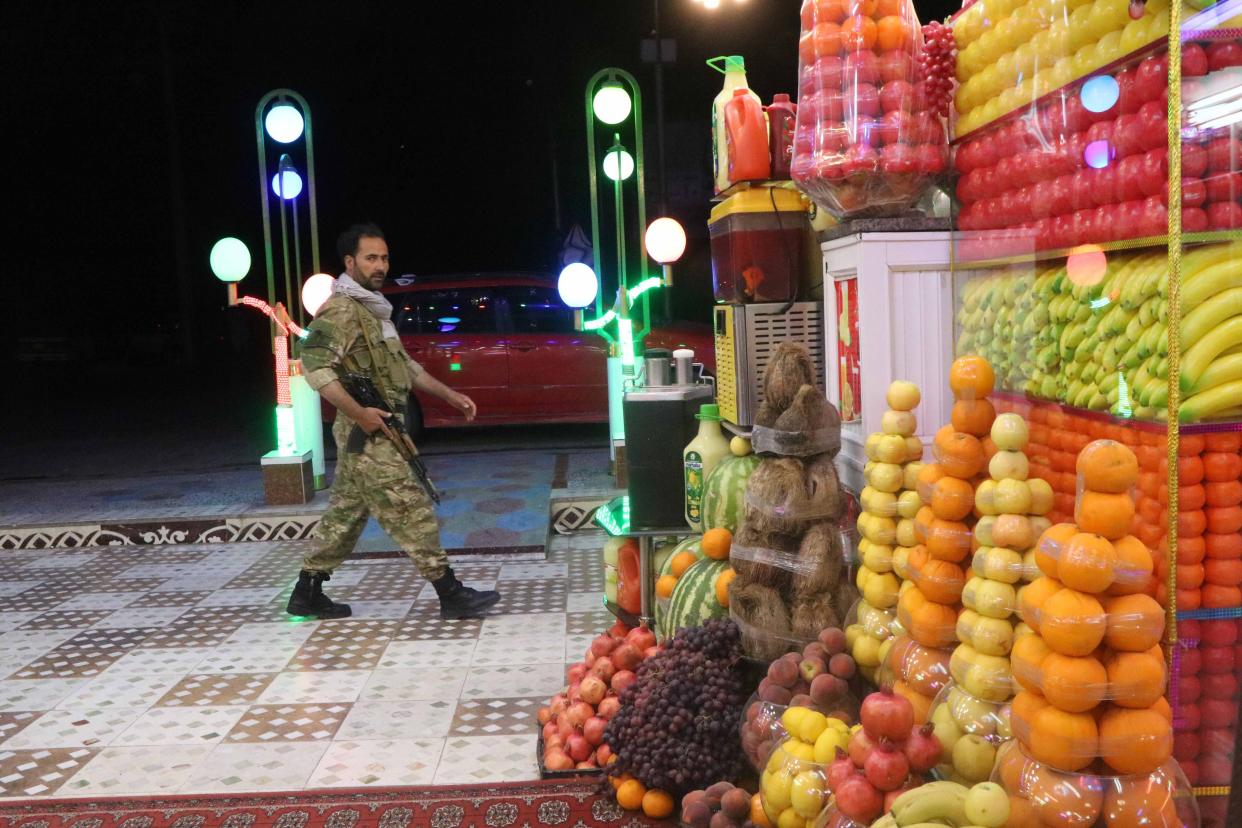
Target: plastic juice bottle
x,y
782,116
701,455
733,67
746,134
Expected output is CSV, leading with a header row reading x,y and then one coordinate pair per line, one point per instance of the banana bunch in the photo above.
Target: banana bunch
x,y
886,525
1100,341
937,804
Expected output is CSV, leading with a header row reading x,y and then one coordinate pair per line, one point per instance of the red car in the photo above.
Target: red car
x,y
508,342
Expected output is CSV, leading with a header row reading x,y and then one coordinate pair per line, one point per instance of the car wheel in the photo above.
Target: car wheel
x,y
414,419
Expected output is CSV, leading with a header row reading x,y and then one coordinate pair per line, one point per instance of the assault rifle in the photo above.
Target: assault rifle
x,y
362,389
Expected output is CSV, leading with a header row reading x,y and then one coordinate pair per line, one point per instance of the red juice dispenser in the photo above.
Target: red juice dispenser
x,y
759,239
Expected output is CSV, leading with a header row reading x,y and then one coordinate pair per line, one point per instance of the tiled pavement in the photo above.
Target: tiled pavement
x,y
142,670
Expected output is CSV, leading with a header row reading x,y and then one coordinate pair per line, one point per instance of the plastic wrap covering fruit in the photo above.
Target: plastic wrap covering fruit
x,y
868,140
1042,795
774,442
765,725
916,672
1204,690
971,731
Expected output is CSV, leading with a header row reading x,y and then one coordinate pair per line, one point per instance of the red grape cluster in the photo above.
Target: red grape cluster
x,y
677,726
937,65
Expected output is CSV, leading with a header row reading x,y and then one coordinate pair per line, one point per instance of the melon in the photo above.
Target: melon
x,y
691,544
724,493
694,598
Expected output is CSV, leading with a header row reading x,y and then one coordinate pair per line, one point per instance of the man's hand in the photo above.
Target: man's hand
x,y
374,419
463,404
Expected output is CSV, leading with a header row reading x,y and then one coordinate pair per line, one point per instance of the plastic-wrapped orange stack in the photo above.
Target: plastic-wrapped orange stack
x,y
1093,673
928,607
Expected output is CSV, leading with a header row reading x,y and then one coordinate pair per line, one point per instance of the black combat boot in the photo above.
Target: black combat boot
x,y
308,598
459,601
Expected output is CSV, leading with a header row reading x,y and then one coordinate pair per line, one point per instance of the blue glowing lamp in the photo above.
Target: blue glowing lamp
x,y
287,184
577,285
284,123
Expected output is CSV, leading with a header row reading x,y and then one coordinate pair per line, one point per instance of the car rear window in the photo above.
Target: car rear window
x,y
538,310
467,310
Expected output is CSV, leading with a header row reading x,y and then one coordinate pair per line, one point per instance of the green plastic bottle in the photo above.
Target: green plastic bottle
x,y
701,455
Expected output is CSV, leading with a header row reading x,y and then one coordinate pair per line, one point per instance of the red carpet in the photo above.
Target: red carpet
x,y
567,803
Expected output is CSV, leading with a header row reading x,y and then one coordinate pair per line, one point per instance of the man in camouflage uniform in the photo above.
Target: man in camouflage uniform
x,y
353,333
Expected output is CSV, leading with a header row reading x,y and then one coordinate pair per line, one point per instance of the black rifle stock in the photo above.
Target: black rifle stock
x,y
364,392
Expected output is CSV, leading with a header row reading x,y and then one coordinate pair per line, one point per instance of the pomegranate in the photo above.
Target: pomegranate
x,y
860,747
592,690
618,630
564,727
623,679
587,765
557,760
627,657
593,730
545,715
651,651
884,713
641,637
602,754
886,767
922,749
603,645
558,704
577,714
858,799
604,670
575,692
839,769
549,730
608,708
578,748
554,741
576,673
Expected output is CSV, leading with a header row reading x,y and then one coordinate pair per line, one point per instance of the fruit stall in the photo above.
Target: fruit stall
x,y
999,581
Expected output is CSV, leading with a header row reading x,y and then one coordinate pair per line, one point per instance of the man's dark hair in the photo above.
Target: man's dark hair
x,y
347,242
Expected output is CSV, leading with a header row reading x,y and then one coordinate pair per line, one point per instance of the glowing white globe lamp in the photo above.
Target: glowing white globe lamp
x,y
315,291
287,184
577,285
611,104
284,123
230,262
618,165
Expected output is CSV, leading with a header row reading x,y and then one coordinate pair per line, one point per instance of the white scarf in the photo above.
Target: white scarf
x,y
372,300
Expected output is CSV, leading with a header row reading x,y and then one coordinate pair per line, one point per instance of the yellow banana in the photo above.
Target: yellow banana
x,y
1201,320
1207,403
1197,358
1208,282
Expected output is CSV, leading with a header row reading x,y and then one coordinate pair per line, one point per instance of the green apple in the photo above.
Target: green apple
x,y
974,757
987,805
1009,465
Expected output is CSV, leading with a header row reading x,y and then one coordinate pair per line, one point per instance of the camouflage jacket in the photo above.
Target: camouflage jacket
x,y
346,338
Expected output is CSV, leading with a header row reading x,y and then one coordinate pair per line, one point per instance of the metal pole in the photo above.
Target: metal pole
x,y
284,227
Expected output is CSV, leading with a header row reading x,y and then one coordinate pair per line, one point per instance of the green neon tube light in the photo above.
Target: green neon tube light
x,y
645,285
596,324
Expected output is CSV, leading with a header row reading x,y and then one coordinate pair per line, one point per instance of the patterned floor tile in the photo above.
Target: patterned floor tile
x,y
253,767
162,598
88,653
514,681
431,629
77,727
257,613
533,572
380,609
8,588
12,620
496,717
400,720
175,660
207,689
39,600
589,623
59,560
422,684
120,690
521,597
40,772
100,600
576,646
13,721
336,654
534,623
67,619
182,634
468,759
139,617
584,601
288,723
239,597
265,634
349,764
420,654
35,694
246,658
181,726
136,770
526,649
314,686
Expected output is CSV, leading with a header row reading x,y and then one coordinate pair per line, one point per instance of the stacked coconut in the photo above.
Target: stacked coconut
x,y
885,526
788,551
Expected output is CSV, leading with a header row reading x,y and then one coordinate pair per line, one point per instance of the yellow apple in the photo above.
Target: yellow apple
x,y
852,632
909,503
914,450
973,758
993,636
1039,525
881,590
887,477
1041,496
1009,465
883,504
885,646
898,423
740,447
985,498
877,557
993,598
1030,569
910,475
905,533
1013,497
881,530
871,447
891,449
867,651
901,555
983,530
902,395
1009,432
1004,565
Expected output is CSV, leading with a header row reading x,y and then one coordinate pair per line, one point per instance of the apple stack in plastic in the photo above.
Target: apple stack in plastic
x,y
927,609
886,525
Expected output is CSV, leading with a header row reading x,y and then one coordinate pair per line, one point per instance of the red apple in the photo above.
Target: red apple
x,y
1220,686
895,65
1223,187
929,159
1223,215
1194,220
896,94
1194,60
1151,78
1218,712
862,98
1223,55
1194,160
1224,154
1129,175
1125,135
828,71
862,67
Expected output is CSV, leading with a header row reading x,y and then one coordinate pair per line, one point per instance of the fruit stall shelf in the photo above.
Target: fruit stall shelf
x,y
1021,109
1209,237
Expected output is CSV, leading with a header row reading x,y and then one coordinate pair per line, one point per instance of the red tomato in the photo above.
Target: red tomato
x,y
1154,172
1126,136
1129,171
897,158
930,159
1153,125
1194,160
1194,193
1151,78
1224,186
1194,60
1224,154
1224,215
1224,55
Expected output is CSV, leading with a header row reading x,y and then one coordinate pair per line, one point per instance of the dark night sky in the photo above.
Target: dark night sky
x,y
440,127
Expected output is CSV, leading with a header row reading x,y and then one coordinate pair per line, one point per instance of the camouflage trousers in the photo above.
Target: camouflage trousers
x,y
379,482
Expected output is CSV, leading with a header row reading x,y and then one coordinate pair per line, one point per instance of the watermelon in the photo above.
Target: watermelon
x,y
692,544
694,598
724,493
